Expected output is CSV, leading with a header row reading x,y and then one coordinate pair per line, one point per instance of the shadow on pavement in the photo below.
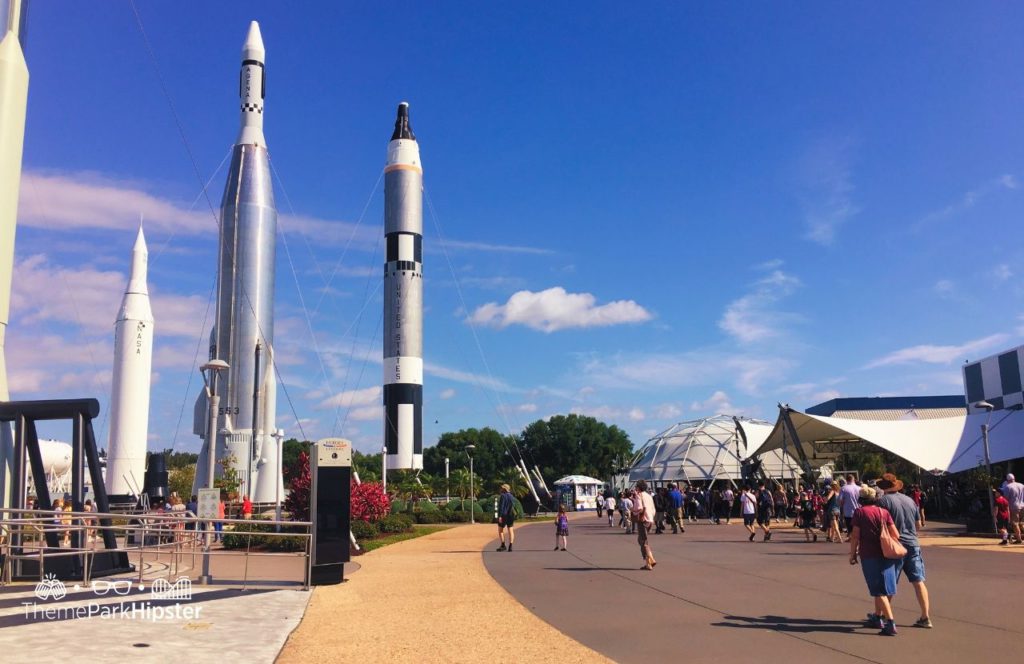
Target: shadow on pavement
x,y
592,569
800,625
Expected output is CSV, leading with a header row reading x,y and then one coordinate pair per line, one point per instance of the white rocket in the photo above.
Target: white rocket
x,y
13,101
129,397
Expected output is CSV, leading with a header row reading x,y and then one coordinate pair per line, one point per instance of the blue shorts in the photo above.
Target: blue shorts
x,y
880,575
912,565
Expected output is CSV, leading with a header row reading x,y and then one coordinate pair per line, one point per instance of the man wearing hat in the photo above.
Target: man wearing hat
x,y
905,516
1013,491
506,517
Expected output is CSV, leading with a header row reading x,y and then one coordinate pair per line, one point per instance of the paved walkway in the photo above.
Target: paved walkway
x,y
428,600
715,596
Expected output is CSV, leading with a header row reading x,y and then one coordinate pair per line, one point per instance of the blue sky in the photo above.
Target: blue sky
x,y
650,213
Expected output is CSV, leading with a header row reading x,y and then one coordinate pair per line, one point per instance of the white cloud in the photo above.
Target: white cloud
x,y
636,415
827,189
351,398
91,298
996,185
667,411
527,408
773,264
944,288
367,413
695,368
717,403
446,394
750,318
555,309
939,354
598,412
1001,273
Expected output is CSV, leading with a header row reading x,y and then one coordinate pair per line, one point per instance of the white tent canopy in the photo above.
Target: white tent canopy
x,y
947,444
705,450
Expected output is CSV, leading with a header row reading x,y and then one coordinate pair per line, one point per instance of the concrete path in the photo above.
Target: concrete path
x,y
714,596
427,600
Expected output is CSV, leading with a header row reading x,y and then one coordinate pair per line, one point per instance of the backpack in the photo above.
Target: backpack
x,y
764,499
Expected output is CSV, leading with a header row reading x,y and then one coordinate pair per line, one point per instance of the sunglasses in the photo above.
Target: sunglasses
x,y
119,587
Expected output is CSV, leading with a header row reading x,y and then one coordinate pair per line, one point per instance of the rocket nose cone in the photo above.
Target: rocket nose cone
x,y
403,128
140,242
253,47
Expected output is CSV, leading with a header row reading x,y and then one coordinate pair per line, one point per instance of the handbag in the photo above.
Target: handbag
x,y
892,548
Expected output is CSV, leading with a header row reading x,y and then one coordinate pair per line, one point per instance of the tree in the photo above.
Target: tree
x,y
574,445
179,481
490,455
460,482
229,479
367,465
290,451
514,479
176,460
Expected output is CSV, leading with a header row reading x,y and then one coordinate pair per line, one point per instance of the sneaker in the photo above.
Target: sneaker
x,y
926,623
1003,543
889,629
751,538
501,548
563,549
815,536
874,620
509,547
556,549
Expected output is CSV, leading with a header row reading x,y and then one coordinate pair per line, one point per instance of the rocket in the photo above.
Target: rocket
x,y
13,102
129,395
243,334
403,298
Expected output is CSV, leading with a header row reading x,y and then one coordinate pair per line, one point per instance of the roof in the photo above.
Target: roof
x,y
832,406
578,479
947,444
707,449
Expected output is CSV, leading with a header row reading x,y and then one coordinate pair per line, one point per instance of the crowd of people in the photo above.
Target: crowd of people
x,y
879,522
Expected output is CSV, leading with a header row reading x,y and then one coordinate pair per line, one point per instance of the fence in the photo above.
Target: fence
x,y
150,538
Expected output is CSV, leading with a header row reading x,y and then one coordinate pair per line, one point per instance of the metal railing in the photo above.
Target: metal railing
x,y
145,537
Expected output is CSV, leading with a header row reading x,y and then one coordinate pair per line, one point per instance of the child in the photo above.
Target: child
x,y
807,516
561,528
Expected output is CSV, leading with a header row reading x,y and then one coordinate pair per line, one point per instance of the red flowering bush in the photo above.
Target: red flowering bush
x,y
369,502
297,502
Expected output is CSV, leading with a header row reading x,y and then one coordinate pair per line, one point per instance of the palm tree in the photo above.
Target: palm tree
x,y
514,479
460,482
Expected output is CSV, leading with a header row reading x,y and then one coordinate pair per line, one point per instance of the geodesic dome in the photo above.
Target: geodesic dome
x,y
706,450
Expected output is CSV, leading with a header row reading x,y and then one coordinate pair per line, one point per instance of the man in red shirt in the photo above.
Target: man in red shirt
x,y
1001,511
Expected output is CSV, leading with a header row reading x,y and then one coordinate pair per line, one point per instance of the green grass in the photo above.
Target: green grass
x,y
420,531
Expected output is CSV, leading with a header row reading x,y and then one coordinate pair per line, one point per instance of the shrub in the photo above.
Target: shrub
x,y
457,517
454,504
364,530
425,505
369,502
259,536
396,523
430,517
398,506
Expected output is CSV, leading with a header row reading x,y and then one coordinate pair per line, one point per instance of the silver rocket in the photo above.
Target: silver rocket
x,y
403,298
243,335
129,395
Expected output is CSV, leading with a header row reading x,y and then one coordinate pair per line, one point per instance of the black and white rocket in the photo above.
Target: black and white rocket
x,y
403,298
243,335
129,394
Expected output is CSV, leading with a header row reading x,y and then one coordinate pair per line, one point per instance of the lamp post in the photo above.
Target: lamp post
x,y
209,371
447,484
472,497
988,461
278,436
